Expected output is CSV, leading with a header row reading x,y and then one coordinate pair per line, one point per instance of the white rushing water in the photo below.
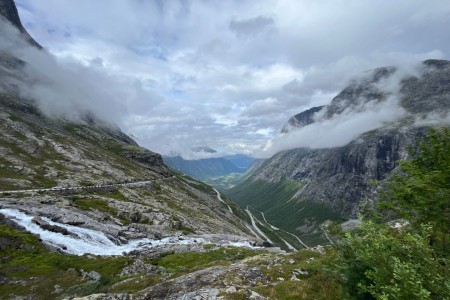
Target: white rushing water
x,y
83,240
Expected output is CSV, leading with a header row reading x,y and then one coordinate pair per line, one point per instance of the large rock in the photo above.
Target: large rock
x,y
46,226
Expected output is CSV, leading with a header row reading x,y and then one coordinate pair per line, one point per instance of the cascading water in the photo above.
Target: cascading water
x,y
83,240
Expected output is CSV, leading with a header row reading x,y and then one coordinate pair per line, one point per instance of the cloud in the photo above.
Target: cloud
x,y
338,131
250,27
68,89
352,118
180,74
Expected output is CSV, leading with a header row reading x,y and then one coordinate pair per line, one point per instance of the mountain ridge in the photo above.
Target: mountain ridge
x,y
340,177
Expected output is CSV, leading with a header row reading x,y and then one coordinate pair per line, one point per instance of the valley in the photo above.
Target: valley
x,y
330,179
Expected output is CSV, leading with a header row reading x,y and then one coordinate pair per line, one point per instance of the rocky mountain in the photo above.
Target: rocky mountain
x,y
84,209
8,11
302,119
299,189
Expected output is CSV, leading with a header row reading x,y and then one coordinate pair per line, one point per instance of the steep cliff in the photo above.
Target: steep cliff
x,y
340,178
8,12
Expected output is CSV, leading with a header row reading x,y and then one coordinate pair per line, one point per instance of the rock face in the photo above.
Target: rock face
x,y
8,11
302,119
340,177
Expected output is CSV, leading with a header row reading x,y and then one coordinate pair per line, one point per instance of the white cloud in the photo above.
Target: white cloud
x,y
196,73
352,118
250,27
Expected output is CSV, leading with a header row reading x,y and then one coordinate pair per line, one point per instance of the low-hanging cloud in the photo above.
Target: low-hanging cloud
x,y
357,117
69,89
198,73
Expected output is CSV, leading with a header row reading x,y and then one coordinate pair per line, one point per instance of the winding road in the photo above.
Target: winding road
x,y
221,200
287,232
81,187
259,231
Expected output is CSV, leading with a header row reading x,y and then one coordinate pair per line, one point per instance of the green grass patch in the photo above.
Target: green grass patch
x,y
276,200
98,204
317,283
178,263
25,259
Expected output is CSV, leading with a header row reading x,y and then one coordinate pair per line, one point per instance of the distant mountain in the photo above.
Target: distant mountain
x,y
204,169
243,162
299,189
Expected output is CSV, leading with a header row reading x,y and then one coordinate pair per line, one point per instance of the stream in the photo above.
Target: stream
x,y
82,240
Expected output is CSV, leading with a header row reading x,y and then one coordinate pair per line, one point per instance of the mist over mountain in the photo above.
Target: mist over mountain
x,y
326,157
80,200
381,98
206,169
301,141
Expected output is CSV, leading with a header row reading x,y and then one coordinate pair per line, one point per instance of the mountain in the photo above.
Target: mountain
x,y
84,209
302,119
8,11
299,189
219,171
202,169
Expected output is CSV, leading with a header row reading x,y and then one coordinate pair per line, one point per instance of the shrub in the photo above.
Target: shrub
x,y
380,262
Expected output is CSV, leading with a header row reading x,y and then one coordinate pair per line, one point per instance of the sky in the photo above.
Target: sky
x,y
225,74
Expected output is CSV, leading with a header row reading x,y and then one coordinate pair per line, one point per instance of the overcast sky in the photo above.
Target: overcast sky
x,y
229,74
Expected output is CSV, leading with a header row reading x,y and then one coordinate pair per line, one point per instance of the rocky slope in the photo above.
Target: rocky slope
x,y
70,183
314,185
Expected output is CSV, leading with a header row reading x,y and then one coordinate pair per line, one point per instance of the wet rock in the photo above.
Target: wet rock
x,y
131,235
266,244
46,226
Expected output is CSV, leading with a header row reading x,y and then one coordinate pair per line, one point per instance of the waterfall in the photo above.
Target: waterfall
x,y
83,240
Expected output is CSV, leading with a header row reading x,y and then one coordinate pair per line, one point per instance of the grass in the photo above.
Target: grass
x,y
98,204
180,263
25,259
225,182
276,200
135,284
318,283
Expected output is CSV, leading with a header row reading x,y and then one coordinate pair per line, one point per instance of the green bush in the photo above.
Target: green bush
x,y
380,262
420,193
